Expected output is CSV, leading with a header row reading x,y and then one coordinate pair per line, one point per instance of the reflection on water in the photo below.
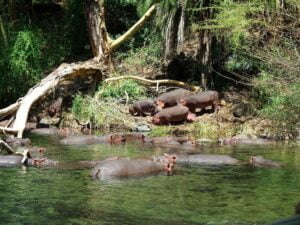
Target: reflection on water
x,y
194,195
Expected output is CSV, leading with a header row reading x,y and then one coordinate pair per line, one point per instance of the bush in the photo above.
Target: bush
x,y
101,114
122,89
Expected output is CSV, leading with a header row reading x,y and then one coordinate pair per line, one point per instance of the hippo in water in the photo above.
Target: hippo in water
x,y
119,168
259,161
26,160
93,139
204,159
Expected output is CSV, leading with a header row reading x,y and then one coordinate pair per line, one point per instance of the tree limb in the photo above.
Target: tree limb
x,y
128,34
10,109
155,82
6,146
45,87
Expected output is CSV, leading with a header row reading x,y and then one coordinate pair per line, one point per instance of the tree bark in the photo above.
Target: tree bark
x,y
204,55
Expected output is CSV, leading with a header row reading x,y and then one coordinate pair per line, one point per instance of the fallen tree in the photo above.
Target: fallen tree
x,y
102,47
45,87
154,82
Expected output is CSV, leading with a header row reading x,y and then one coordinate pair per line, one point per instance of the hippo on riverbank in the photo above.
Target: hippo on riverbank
x,y
170,115
171,98
201,100
143,108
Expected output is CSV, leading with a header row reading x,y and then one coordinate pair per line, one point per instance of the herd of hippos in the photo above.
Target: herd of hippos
x,y
125,167
171,107
175,106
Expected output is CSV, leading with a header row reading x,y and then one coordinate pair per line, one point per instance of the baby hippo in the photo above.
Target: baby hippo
x,y
173,114
171,98
143,107
201,100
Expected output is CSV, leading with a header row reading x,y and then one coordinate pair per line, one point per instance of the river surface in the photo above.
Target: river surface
x,y
212,195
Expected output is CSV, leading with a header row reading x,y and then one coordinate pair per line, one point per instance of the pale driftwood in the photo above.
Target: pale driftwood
x,y
7,147
10,109
5,130
155,82
45,87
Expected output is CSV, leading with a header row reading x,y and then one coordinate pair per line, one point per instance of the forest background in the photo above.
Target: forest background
x,y
248,46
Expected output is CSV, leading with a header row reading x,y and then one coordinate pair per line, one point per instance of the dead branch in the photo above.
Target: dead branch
x,y
10,109
43,88
155,82
6,146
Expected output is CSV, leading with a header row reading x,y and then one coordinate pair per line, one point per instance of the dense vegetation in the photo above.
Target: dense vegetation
x,y
255,46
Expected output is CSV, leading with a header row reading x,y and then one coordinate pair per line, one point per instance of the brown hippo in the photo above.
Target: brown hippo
x,y
130,167
201,100
143,108
93,139
259,161
173,114
171,98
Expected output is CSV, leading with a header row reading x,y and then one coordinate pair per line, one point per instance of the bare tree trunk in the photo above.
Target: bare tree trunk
x,y
98,36
204,55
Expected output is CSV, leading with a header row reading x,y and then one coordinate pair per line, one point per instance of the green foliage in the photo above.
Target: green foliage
x,y
20,64
141,58
238,63
25,58
102,114
31,48
105,105
122,89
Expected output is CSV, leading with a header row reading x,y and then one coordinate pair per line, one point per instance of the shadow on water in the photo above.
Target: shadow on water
x,y
231,195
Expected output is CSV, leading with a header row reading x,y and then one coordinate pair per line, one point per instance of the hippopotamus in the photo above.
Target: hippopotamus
x,y
202,159
244,141
93,139
143,107
182,143
130,167
18,142
11,160
201,100
15,160
259,161
173,114
171,98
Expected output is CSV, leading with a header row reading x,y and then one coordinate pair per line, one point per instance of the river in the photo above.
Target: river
x,y
212,195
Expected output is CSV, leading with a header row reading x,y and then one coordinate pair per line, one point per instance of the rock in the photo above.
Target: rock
x,y
47,122
141,128
242,109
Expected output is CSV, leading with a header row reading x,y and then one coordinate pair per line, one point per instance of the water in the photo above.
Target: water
x,y
228,195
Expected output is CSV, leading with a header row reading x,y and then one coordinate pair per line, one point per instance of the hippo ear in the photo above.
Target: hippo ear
x,y
98,173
